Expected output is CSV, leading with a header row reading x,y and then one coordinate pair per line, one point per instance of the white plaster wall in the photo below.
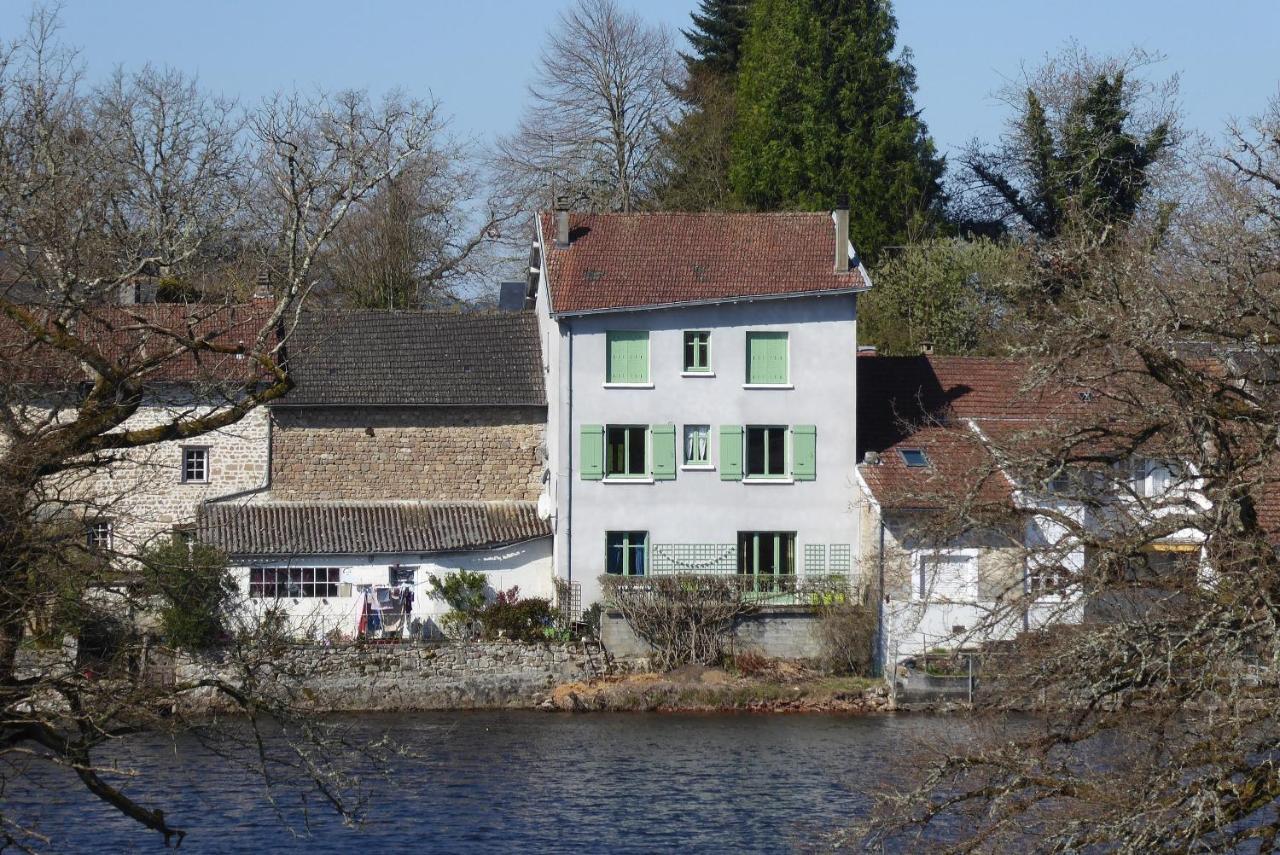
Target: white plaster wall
x,y
698,507
527,565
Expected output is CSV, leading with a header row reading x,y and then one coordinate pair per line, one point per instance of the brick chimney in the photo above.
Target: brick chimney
x,y
562,221
840,216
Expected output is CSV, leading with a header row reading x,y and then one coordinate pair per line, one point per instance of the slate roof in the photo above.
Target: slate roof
x,y
622,261
420,358
275,529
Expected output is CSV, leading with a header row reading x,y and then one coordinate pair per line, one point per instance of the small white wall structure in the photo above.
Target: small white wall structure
x,y
525,565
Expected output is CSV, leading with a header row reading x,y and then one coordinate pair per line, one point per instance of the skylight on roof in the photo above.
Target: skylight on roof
x,y
914,457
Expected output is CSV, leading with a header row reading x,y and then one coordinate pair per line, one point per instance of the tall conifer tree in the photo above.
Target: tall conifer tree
x,y
825,108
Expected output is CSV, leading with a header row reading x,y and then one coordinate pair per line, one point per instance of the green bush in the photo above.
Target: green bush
x,y
463,591
193,586
521,620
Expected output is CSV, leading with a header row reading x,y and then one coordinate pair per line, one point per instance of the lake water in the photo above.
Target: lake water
x,y
524,782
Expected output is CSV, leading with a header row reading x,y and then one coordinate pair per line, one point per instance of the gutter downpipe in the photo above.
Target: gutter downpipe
x,y
880,651
568,532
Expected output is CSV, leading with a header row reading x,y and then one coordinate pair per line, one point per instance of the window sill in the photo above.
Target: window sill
x,y
758,480
767,386
204,483
697,374
698,467
628,385
616,479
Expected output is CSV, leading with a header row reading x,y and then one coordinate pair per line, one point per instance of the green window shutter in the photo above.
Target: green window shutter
x,y
730,452
804,452
664,452
591,451
767,357
627,356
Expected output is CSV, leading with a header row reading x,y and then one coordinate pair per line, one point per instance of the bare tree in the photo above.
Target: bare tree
x,y
1155,679
422,238
601,99
98,187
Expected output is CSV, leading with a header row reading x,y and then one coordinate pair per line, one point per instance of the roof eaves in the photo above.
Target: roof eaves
x,y
745,298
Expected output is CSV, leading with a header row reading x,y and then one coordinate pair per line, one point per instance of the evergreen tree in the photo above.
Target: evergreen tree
x,y
696,168
716,36
824,109
1088,167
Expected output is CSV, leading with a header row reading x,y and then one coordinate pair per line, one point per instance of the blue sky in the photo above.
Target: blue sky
x,y
476,56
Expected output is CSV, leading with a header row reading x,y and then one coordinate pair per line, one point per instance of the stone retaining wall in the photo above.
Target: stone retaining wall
x,y
779,632
366,678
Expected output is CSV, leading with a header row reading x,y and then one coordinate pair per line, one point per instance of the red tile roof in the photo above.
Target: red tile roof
x,y
960,469
129,336
623,261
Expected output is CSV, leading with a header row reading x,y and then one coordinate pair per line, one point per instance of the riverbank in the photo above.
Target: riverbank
x,y
781,688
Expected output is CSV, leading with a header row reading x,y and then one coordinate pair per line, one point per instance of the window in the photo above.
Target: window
x,y
697,352
948,577
914,458
767,359
767,556
627,357
195,465
626,452
98,534
271,583
766,452
626,553
697,445
1049,580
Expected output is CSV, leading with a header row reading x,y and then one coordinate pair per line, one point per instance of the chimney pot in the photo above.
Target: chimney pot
x,y
840,219
562,221
926,348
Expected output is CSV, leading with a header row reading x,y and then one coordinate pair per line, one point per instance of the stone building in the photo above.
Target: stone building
x,y
411,446
129,499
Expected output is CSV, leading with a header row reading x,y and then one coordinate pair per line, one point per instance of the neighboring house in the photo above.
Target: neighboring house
x,y
935,434
128,500
701,394
411,446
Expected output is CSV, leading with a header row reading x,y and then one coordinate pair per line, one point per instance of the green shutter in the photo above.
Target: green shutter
x,y
767,357
591,450
627,356
804,452
730,452
664,452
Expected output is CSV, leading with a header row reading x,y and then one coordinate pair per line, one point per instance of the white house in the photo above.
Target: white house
x,y
701,393
936,436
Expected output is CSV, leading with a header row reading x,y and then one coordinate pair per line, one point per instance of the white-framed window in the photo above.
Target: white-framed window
x,y
697,445
273,583
195,464
1150,478
98,534
1047,580
951,576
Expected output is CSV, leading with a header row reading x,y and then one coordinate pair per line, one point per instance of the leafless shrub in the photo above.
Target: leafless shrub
x,y
686,618
847,632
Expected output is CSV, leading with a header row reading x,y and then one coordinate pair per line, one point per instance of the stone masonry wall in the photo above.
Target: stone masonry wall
x,y
142,492
407,453
462,675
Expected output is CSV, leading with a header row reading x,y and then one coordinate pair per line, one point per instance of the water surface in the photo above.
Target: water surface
x,y
524,782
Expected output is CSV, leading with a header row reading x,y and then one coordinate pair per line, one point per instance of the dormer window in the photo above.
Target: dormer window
x,y
914,458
